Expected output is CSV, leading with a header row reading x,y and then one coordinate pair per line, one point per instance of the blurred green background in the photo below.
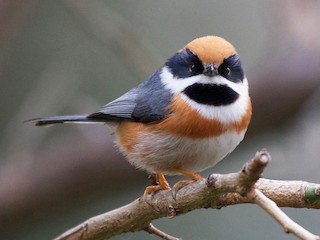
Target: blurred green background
x,y
73,56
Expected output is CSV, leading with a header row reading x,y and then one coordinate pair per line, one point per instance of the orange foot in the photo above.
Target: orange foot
x,y
194,177
163,185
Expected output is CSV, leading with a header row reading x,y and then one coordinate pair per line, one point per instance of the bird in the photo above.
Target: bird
x,y
185,118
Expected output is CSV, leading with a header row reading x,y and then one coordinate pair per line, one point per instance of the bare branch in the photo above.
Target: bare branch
x,y
288,224
216,191
153,230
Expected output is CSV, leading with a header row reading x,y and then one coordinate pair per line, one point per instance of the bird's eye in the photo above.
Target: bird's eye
x,y
191,68
231,69
224,70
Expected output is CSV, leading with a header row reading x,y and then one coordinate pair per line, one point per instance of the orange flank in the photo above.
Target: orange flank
x,y
182,121
211,49
185,121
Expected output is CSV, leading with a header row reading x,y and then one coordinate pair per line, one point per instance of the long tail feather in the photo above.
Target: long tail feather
x,y
65,119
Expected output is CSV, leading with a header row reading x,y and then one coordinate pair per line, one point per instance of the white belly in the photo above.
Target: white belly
x,y
158,152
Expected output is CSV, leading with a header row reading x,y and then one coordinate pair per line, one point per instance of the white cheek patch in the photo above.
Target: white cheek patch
x,y
228,114
176,85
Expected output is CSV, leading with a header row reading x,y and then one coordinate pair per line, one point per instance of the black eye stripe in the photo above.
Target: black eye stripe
x,y
231,69
184,64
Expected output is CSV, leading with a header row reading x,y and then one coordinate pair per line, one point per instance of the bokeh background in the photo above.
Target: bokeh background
x,y
73,56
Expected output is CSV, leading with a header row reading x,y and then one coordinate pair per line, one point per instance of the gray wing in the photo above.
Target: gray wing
x,y
120,108
146,103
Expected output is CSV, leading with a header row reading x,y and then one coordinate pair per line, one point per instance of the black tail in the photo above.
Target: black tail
x,y
65,119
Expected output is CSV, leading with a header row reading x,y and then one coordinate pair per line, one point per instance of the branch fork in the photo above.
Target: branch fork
x,y
218,190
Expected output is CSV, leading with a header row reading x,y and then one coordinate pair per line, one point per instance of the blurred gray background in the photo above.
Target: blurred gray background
x,y
73,56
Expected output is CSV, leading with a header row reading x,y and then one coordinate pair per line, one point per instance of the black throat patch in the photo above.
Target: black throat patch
x,y
211,94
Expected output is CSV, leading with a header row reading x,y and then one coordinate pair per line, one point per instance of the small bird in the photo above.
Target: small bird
x,y
185,118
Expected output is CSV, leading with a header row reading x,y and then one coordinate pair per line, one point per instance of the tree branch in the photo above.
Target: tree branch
x,y
217,191
153,230
289,226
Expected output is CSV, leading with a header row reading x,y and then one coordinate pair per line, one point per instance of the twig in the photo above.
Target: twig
x,y
217,191
287,223
153,230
